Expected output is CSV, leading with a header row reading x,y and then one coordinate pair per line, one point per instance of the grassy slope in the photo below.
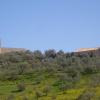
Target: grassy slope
x,y
37,81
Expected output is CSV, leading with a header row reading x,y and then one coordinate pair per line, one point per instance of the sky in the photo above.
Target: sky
x,y
50,24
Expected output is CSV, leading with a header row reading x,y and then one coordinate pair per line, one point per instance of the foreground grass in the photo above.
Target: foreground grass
x,y
37,81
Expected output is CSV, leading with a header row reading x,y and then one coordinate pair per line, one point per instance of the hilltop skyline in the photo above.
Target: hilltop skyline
x,y
48,24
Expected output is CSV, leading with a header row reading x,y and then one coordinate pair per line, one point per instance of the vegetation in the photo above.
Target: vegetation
x,y
50,75
21,87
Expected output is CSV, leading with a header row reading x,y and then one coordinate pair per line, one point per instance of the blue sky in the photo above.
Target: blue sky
x,y
50,24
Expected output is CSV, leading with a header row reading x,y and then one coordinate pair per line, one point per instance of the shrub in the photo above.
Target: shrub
x,y
65,86
53,97
21,87
38,95
10,97
95,80
46,90
25,98
12,77
86,95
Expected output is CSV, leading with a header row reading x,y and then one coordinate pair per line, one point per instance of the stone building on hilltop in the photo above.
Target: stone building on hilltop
x,y
7,50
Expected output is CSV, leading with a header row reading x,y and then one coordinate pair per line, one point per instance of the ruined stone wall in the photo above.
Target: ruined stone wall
x,y
7,50
86,49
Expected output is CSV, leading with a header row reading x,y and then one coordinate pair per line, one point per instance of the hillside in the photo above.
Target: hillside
x,y
50,76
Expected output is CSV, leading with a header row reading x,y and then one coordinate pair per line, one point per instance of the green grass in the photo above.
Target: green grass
x,y
38,81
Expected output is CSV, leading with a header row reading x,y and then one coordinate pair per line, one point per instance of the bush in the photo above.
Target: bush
x,y
86,95
12,77
46,90
53,97
10,97
21,87
65,86
25,98
95,80
38,94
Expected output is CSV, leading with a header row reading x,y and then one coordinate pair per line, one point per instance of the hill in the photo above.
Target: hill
x,y
50,76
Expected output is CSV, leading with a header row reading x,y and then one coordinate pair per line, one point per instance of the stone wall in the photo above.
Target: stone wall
x,y
86,49
7,50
